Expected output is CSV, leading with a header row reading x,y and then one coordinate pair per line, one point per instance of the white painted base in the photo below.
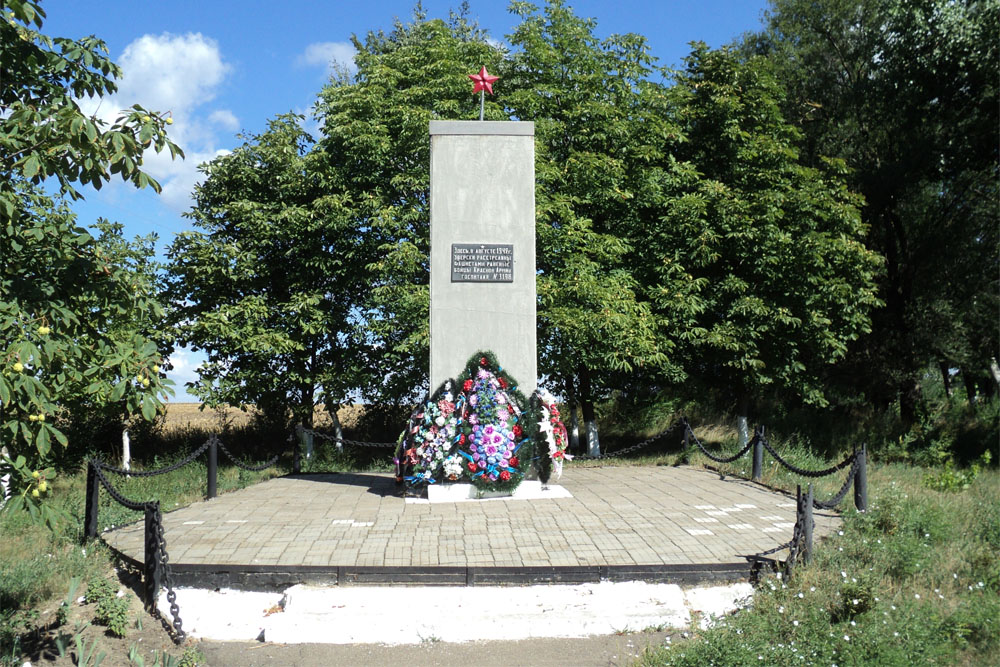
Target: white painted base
x,y
529,489
364,614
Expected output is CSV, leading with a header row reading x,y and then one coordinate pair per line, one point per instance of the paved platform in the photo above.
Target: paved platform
x,y
652,523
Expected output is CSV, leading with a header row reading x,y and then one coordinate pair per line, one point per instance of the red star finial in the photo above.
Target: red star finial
x,y
484,81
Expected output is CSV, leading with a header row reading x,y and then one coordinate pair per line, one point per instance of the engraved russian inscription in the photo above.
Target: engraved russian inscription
x,y
482,263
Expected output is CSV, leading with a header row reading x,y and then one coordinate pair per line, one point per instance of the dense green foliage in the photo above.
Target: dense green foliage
x,y
651,201
268,283
906,93
915,580
75,311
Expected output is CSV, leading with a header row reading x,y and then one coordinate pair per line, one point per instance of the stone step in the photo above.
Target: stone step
x,y
412,615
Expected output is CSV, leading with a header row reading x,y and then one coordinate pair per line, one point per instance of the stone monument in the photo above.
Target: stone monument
x,y
482,283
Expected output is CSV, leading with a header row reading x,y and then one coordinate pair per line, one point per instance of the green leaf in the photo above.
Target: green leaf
x,y
148,408
31,166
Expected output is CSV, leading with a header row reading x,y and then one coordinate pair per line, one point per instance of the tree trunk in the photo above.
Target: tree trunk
x,y
126,450
587,404
970,385
338,429
909,399
742,421
987,387
306,405
574,424
4,481
945,377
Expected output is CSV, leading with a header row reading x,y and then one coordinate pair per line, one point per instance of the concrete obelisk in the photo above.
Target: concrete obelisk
x,y
482,284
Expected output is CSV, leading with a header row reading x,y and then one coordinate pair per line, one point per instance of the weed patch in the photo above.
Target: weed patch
x,y
913,581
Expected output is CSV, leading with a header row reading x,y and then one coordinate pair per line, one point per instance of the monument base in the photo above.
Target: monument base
x,y
529,489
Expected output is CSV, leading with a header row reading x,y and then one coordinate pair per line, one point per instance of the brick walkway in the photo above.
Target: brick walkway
x,y
617,516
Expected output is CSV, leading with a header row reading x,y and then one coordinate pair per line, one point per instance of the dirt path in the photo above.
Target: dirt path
x,y
582,652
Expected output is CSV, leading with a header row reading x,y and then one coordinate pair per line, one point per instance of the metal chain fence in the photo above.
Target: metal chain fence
x,y
264,466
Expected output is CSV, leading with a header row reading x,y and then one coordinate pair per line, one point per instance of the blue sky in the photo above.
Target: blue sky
x,y
225,67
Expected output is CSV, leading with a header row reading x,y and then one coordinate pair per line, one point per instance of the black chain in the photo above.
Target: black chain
x,y
168,580
833,502
238,464
347,441
797,532
627,450
719,459
808,473
113,492
162,471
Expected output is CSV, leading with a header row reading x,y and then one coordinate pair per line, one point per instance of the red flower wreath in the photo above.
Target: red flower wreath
x,y
472,467
467,385
504,475
513,462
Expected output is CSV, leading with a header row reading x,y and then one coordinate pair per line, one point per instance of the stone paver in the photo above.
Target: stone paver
x,y
617,516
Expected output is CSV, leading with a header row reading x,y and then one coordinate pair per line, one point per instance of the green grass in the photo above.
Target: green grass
x,y
943,546
914,581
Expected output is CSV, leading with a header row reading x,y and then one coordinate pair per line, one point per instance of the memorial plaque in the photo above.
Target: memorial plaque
x,y
482,262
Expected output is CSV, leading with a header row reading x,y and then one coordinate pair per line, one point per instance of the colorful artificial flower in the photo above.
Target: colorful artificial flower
x,y
553,431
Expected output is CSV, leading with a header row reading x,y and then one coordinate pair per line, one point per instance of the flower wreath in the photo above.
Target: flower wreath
x,y
485,433
430,437
496,447
553,432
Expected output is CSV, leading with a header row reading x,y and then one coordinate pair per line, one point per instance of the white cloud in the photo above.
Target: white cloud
x,y
225,119
178,74
185,364
325,54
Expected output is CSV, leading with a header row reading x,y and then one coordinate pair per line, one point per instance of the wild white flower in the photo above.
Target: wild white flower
x,y
795,623
916,595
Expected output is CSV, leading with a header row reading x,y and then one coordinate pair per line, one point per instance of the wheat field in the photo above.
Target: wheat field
x,y
190,415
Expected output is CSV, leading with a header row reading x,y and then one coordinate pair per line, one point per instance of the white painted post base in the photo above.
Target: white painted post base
x,y
744,431
593,440
126,450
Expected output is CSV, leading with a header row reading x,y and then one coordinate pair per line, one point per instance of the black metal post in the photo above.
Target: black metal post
x,y
758,453
213,466
793,549
93,504
152,572
297,452
807,526
861,480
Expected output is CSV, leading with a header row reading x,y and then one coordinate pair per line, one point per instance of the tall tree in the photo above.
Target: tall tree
x,y
757,269
590,101
267,284
906,93
377,157
62,298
